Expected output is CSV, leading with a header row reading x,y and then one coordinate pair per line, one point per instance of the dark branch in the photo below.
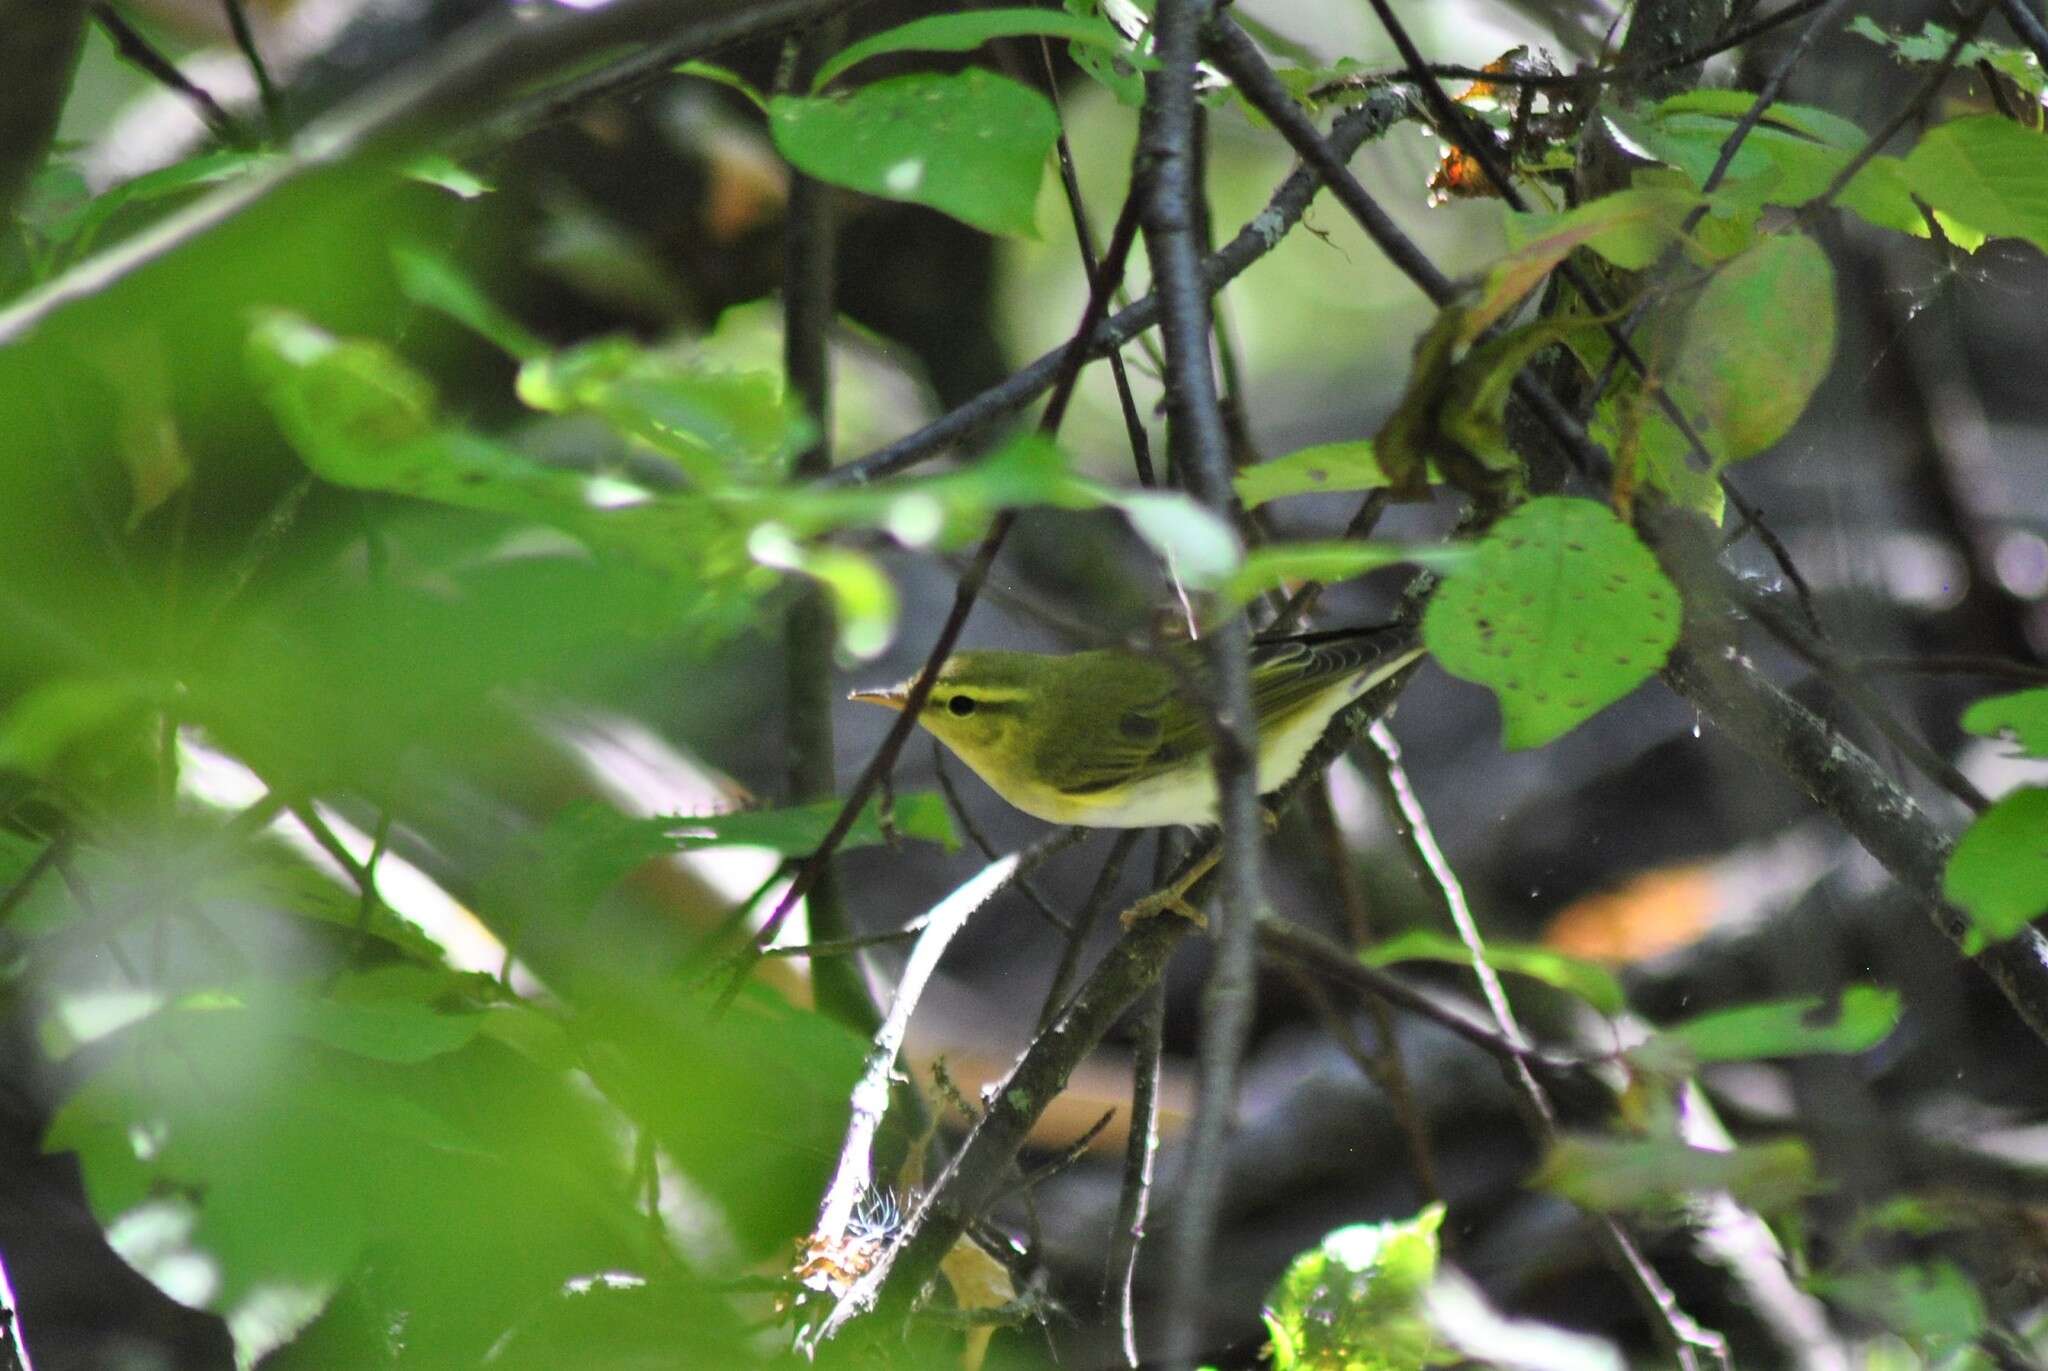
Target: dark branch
x,y
1257,238
1170,172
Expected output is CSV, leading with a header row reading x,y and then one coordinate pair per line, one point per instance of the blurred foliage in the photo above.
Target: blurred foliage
x,y
1355,1302
299,496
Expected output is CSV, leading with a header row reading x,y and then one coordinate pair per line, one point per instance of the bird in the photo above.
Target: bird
x,y
1108,738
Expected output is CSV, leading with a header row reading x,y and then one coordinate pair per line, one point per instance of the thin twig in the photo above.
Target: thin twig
x,y
245,42
1840,676
1258,237
53,852
1847,784
1383,1066
964,593
1952,663
1169,169
1091,914
1084,239
2029,27
1065,1159
980,840
1915,105
853,1177
845,946
1766,96
809,291
141,54
1578,80
1134,1196
1683,1337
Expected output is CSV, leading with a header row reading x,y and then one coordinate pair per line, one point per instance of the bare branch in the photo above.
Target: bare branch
x,y
1257,238
1170,171
1134,1197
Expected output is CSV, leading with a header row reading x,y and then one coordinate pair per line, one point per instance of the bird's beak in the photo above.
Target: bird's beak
x,y
893,698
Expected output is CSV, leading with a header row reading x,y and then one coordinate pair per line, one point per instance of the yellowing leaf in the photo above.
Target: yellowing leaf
x,y
1758,342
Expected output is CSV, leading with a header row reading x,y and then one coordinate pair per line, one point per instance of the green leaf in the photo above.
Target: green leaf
x,y
1202,551
1932,1306
964,32
1590,982
1988,172
1630,228
724,76
1863,1018
721,424
863,596
1563,613
386,1030
1115,71
1355,1302
1266,568
1787,159
433,282
194,173
972,145
1931,44
1656,1175
2023,716
439,169
51,719
1312,470
1998,873
1758,342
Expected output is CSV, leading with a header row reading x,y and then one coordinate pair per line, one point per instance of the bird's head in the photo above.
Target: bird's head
x,y
988,707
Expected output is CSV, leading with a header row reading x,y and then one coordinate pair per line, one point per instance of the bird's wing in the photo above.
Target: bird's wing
x,y
1289,673
1165,732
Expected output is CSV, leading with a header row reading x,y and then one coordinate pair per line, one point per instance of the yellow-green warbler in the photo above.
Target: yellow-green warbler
x,y
1108,739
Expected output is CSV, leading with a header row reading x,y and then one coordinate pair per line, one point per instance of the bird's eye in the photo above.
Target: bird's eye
x,y
961,705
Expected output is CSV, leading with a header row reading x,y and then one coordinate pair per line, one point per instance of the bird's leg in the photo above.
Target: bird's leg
x,y
1174,898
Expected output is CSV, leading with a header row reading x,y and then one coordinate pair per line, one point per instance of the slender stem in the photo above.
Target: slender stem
x,y
2028,26
141,54
1841,676
1766,96
951,792
1849,785
969,587
1169,169
53,852
1091,914
1084,239
1915,105
1953,663
1383,1065
1134,1197
1684,1338
245,42
809,289
1258,237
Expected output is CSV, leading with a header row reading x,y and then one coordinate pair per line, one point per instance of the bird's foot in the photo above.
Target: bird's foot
x,y
1170,901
